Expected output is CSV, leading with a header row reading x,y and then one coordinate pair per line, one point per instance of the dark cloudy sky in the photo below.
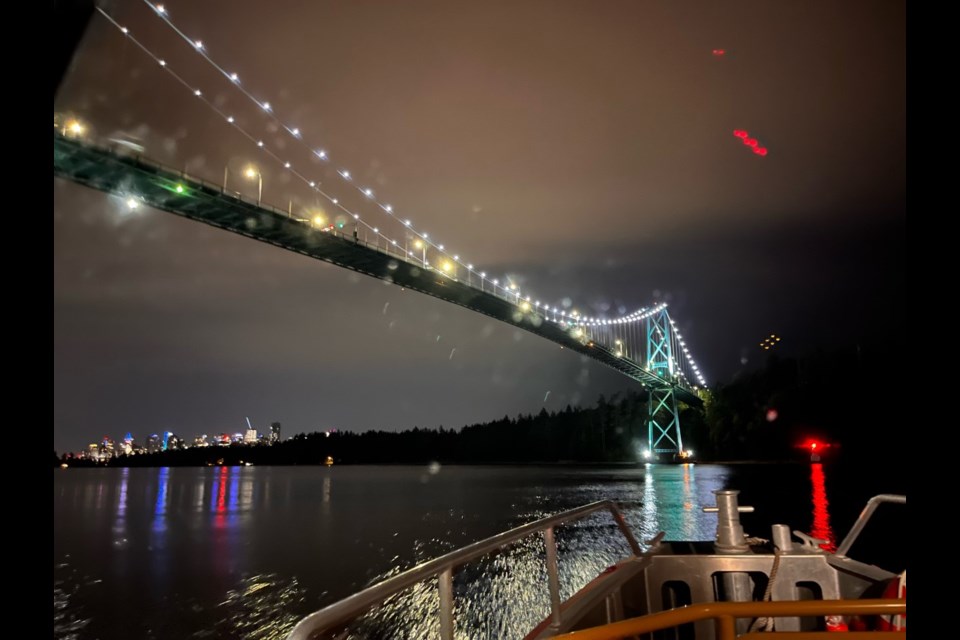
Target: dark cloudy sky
x,y
583,148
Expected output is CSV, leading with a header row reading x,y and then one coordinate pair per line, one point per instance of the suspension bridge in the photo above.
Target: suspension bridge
x,y
644,345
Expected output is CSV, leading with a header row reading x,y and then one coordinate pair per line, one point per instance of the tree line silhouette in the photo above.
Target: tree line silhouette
x,y
767,414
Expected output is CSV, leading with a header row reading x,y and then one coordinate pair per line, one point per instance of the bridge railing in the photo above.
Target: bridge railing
x,y
386,248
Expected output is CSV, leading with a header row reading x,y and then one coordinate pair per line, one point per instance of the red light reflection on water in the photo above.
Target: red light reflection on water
x,y
821,516
221,508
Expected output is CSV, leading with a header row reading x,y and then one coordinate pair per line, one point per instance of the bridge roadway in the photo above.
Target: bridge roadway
x,y
155,186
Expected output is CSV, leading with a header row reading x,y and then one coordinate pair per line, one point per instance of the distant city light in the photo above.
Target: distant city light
x,y
768,343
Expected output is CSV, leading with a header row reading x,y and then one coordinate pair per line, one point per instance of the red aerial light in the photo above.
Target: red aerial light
x,y
719,52
750,142
760,151
740,133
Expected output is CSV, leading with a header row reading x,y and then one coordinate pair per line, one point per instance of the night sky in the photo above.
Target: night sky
x,y
584,149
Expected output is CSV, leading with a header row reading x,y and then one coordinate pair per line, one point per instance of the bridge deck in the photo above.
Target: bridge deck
x,y
156,187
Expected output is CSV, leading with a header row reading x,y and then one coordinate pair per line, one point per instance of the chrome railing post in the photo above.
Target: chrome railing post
x,y
553,575
625,529
446,604
865,516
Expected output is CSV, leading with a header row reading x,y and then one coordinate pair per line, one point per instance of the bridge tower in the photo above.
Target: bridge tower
x,y
663,418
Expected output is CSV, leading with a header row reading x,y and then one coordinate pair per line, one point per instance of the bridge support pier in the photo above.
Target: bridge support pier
x,y
663,423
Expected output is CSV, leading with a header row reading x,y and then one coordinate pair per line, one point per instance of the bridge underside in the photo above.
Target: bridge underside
x,y
158,188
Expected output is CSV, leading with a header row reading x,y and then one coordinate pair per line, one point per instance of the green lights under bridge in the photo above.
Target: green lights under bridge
x,y
167,190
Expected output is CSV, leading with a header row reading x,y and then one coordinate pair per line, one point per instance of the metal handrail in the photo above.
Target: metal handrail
x,y
349,609
726,614
864,517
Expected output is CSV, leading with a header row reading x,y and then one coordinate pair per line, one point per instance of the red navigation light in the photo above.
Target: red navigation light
x,y
719,52
750,142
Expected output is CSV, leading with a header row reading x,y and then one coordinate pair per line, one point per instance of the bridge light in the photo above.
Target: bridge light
x,y
199,45
312,184
356,216
266,106
440,246
163,63
286,165
335,201
345,175
132,203
321,154
161,9
74,128
368,193
388,208
406,222
230,119
235,78
196,92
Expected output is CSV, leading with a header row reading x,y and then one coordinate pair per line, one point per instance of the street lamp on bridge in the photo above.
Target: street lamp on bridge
x,y
420,244
252,172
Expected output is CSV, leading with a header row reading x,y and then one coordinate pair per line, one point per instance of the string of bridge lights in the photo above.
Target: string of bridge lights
x,y
197,45
686,353
510,290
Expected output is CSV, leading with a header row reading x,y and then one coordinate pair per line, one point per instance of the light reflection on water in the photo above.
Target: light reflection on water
x,y
821,516
233,552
